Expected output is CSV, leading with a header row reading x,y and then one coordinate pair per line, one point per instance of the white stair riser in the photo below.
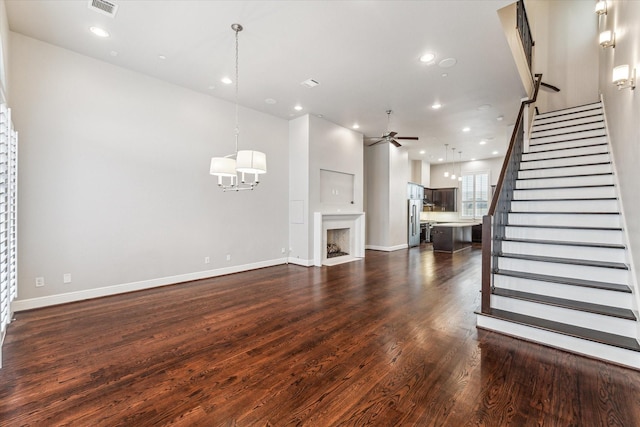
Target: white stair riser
x,y
568,171
565,251
580,151
533,148
566,193
558,290
613,237
566,161
583,319
565,206
539,126
575,345
599,274
566,220
569,112
568,137
572,181
567,129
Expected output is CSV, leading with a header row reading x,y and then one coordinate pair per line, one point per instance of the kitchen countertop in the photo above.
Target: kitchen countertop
x,y
455,224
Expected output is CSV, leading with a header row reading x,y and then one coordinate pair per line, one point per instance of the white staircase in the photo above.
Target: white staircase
x,y
562,277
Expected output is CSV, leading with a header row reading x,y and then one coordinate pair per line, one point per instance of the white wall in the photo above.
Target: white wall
x,y
4,50
387,174
623,110
566,51
114,182
315,144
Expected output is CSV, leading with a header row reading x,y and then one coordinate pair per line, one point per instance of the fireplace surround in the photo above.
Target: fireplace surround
x,y
351,241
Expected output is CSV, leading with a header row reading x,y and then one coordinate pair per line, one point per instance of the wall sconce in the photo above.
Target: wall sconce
x,y
601,7
624,77
608,39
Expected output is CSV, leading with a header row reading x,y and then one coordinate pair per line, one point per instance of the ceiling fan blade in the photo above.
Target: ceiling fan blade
x,y
413,138
394,142
391,134
375,142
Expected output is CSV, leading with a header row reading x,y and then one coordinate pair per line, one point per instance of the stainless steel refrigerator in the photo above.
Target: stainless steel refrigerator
x,y
415,207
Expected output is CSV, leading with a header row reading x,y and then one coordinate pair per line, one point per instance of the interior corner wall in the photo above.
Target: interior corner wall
x,y
114,181
4,50
300,216
622,109
387,174
566,51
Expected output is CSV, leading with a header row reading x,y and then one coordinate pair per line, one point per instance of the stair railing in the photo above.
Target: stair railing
x,y
522,23
495,221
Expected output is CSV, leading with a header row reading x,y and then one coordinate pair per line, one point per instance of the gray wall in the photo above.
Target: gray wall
x,y
114,181
623,111
566,49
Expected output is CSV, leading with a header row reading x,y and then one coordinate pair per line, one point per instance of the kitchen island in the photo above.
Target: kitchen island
x,y
451,236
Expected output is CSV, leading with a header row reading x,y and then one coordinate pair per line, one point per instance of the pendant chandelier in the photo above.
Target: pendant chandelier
x,y
232,169
453,168
446,165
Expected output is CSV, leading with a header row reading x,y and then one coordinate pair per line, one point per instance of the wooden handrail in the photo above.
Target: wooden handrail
x,y
514,135
488,232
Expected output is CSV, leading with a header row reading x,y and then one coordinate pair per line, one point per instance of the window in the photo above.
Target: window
x,y
475,194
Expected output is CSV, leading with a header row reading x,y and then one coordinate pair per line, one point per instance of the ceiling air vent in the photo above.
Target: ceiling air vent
x,y
310,83
104,7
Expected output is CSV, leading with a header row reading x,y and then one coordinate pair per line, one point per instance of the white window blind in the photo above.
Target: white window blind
x,y
475,194
8,217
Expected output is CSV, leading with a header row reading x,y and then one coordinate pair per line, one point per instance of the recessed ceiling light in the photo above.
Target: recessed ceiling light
x,y
319,115
444,74
473,159
483,142
162,57
484,107
447,62
226,80
99,32
494,152
466,129
298,108
270,101
436,106
427,57
310,83
422,151
114,53
356,126
499,118
440,159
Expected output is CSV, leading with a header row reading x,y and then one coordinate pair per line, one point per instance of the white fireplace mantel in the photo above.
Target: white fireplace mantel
x,y
322,221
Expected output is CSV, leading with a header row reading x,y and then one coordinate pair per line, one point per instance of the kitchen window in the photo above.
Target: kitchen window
x,y
475,194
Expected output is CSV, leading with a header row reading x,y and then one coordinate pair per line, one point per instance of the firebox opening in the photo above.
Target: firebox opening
x,y
337,242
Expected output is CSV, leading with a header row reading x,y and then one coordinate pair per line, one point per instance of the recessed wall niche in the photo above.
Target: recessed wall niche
x,y
336,188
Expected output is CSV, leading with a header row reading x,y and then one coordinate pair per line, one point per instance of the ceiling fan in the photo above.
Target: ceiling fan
x,y
390,136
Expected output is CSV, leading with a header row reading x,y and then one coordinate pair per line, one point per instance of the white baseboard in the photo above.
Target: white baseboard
x,y
39,302
386,248
302,262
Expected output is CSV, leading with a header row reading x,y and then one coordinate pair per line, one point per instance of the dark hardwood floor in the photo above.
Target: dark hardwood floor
x,y
388,341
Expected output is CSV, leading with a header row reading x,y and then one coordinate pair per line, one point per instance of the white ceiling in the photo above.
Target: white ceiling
x,y
363,53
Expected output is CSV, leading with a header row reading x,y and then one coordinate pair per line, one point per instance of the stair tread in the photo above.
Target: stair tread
x,y
574,135
567,243
594,115
565,213
572,261
568,148
564,157
564,227
565,187
564,166
565,329
564,200
585,107
567,281
623,313
596,122
565,176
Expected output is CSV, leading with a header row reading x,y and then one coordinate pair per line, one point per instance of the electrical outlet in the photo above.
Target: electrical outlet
x,y
228,257
39,282
207,260
283,250
66,278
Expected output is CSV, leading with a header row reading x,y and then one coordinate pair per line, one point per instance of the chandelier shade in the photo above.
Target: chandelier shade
x,y
250,161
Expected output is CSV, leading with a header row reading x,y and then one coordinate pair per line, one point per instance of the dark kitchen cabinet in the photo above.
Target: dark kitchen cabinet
x,y
442,199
